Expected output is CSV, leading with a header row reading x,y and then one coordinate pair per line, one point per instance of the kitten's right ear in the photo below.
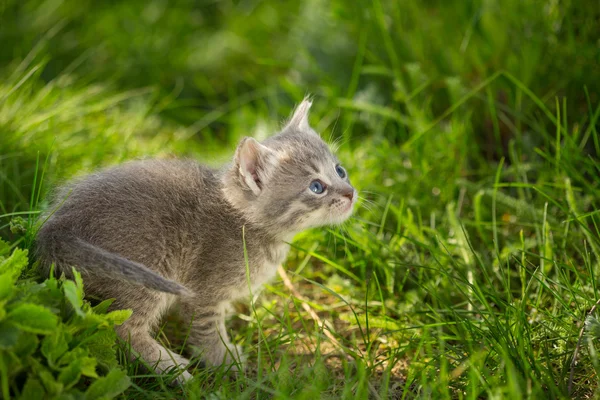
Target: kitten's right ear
x,y
299,119
254,161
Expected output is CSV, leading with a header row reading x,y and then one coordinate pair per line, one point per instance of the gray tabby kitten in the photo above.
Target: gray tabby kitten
x,y
155,232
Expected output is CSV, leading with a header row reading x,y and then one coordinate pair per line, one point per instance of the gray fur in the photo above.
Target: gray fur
x,y
148,231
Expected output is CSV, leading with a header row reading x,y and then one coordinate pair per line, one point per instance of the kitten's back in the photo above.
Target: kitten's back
x,y
124,194
135,213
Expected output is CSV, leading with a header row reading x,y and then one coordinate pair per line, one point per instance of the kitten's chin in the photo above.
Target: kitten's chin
x,y
341,218
341,215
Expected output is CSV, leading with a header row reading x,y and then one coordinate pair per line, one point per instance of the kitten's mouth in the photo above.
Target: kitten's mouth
x,y
347,209
349,206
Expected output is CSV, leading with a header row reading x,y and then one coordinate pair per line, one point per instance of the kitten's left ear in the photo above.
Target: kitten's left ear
x,y
299,119
255,163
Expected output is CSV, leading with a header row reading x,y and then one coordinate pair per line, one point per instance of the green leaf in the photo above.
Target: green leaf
x,y
33,389
4,249
78,281
102,348
50,383
52,386
33,318
88,367
55,345
15,364
95,321
14,264
52,286
4,368
113,384
102,308
73,355
117,317
6,286
74,296
26,345
67,396
70,375
9,334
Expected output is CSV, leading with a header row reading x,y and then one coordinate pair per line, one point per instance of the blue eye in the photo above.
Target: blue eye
x,y
317,187
340,171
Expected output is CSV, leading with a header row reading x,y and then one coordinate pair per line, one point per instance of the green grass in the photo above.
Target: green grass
x,y
470,129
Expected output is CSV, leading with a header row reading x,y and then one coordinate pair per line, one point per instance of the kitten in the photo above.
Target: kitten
x,y
155,232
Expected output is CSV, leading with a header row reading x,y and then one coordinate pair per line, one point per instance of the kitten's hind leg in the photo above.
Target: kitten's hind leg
x,y
208,337
136,331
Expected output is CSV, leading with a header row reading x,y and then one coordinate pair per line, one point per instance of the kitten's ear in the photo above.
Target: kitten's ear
x,y
254,162
299,119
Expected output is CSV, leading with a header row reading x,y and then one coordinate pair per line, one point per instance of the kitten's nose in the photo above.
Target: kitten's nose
x,y
348,193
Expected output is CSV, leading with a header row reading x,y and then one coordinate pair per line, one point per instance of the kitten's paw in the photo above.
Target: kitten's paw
x,y
235,353
236,358
182,379
223,355
176,365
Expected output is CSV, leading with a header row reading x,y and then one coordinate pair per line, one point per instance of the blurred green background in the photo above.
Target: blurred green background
x,y
402,55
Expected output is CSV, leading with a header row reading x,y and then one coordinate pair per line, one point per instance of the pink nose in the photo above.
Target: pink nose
x,y
349,194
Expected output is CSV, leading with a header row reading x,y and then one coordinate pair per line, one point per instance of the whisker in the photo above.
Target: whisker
x,y
367,200
380,195
370,210
337,118
368,204
338,142
335,146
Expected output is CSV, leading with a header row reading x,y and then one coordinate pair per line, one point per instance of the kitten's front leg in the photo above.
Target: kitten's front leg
x,y
208,337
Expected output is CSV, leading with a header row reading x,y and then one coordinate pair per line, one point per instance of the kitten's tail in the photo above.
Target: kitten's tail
x,y
85,255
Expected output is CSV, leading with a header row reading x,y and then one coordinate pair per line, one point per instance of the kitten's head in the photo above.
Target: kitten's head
x,y
291,181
